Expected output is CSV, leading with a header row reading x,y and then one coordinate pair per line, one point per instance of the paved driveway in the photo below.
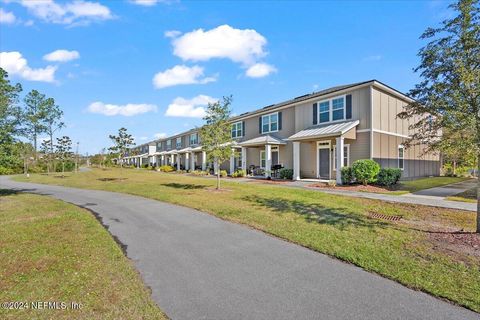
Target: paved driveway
x,y
448,190
201,267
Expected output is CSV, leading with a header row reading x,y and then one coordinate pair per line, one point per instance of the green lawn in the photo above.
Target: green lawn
x,y
408,251
466,196
56,252
427,183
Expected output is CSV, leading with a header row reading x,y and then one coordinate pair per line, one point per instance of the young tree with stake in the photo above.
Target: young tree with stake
x,y
122,143
216,134
63,150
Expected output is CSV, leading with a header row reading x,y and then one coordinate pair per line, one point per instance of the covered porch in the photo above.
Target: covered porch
x,y
262,155
320,152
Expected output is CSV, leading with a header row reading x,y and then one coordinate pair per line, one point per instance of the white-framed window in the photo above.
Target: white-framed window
x,y
169,144
159,145
178,142
237,129
324,111
238,159
332,110
270,122
263,158
194,138
401,155
346,156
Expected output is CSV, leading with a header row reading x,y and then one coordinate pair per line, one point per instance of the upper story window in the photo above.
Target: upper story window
x,y
194,138
179,142
270,122
169,144
335,109
401,153
237,129
159,145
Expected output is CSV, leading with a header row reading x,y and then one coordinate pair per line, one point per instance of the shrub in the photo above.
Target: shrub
x,y
199,173
365,171
239,173
347,175
166,168
4,171
286,173
389,176
332,183
223,173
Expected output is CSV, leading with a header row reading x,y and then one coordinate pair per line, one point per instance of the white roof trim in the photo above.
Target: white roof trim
x,y
335,129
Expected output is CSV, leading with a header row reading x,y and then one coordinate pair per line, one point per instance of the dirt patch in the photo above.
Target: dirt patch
x,y
460,245
355,187
214,190
112,179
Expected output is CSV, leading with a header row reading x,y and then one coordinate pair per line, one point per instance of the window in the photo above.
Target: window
x,y
159,146
338,109
324,111
179,142
194,138
237,130
331,110
401,152
238,159
346,156
270,122
169,144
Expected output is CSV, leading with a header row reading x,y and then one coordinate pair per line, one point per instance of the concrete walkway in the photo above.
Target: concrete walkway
x,y
201,267
448,190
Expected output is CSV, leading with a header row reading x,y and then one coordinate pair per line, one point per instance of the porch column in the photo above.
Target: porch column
x,y
232,162
192,161
178,161
172,160
204,161
244,159
296,160
339,159
162,160
187,161
268,160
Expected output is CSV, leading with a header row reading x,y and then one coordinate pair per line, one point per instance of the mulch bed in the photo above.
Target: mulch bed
x,y
355,187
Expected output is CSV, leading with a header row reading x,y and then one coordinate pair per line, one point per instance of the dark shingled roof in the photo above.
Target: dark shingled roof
x,y
304,97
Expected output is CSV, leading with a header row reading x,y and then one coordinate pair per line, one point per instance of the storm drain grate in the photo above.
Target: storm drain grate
x,y
384,217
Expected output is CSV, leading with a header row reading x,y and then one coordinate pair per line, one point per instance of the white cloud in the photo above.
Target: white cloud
x,y
160,135
62,55
193,108
244,46
172,33
259,70
180,74
7,17
143,138
15,64
77,12
127,110
146,3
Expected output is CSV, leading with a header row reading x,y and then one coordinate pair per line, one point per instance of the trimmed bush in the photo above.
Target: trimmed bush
x,y
365,171
223,173
389,176
286,173
166,168
347,175
239,173
4,171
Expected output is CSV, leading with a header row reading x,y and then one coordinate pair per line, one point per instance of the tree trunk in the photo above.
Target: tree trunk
x,y
63,168
218,179
35,144
454,168
478,194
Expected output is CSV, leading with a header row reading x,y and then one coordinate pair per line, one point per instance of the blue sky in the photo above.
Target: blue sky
x,y
152,67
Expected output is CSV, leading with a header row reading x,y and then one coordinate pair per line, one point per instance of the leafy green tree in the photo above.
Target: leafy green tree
x,y
47,152
34,116
10,125
51,120
448,96
63,151
216,134
121,144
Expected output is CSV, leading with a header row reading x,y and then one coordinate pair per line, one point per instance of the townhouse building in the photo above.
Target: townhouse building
x,y
314,134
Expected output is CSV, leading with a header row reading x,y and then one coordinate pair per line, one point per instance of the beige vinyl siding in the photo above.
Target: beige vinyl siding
x,y
360,109
359,148
386,107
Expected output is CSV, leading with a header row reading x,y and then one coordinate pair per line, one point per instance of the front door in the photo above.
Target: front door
x,y
324,163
